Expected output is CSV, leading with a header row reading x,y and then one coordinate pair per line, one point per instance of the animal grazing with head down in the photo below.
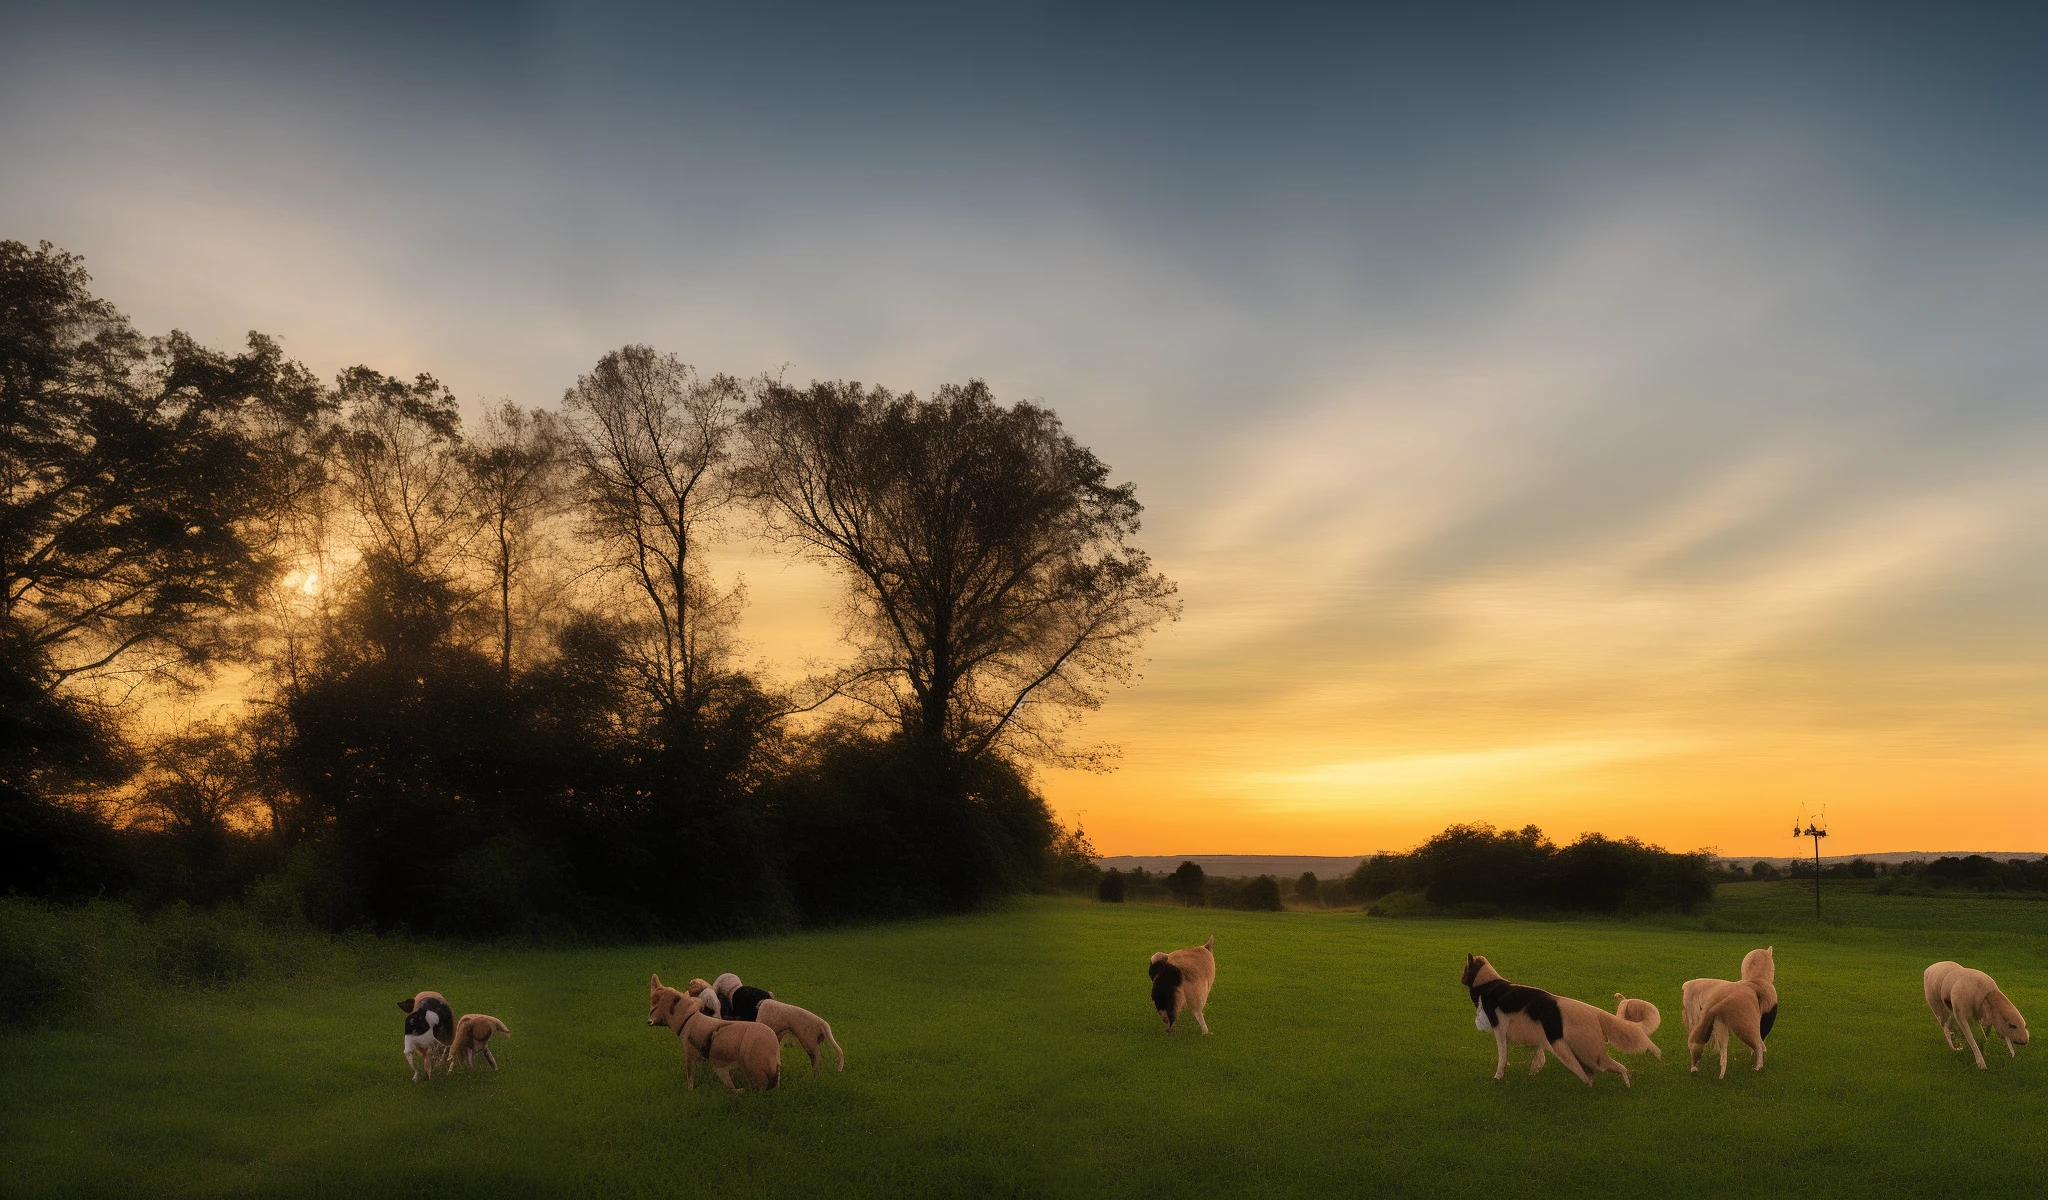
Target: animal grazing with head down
x,y
736,1001
1961,995
747,1045
1181,980
1746,1007
472,1037
1575,1031
429,1027
806,1028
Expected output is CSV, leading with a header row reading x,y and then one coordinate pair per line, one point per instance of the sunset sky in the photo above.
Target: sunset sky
x,y
1591,420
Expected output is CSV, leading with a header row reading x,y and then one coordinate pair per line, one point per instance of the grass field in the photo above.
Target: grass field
x,y
1015,1053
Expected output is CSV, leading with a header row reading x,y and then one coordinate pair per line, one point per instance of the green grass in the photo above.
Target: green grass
x,y
1015,1053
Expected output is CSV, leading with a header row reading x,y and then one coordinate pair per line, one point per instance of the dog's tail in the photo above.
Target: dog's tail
x,y
833,1042
498,1026
1626,1035
1642,1012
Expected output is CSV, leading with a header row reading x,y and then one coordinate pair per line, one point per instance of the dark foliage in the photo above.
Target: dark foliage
x,y
1187,883
1111,889
1478,865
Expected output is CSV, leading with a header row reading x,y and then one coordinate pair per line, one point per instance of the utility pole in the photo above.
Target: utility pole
x,y
1815,831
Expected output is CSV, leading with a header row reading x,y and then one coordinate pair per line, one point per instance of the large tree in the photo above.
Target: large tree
x,y
135,504
651,440
995,589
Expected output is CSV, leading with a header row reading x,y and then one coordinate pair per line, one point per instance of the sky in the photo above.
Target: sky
x,y
1574,415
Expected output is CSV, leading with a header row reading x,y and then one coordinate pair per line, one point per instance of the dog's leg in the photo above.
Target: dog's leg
x,y
489,1057
725,1074
1202,1022
1536,1063
1948,1018
1500,1045
1564,1053
1721,1043
1970,1036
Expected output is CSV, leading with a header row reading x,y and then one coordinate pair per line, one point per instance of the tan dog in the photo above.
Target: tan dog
x,y
806,1028
1965,996
1746,1007
803,1026
1181,980
1575,1031
472,1037
748,1045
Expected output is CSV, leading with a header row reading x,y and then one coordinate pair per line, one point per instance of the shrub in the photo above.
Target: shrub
x,y
1111,889
1307,888
1187,883
1263,895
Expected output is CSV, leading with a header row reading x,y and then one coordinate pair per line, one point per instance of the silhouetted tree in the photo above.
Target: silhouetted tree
x,y
995,592
1263,895
1186,883
1111,889
1307,888
515,474
400,452
651,442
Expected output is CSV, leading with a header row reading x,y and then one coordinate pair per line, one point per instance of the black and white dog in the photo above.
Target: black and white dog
x,y
429,1027
738,1001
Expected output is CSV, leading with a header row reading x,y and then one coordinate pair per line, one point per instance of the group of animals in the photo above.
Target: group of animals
x,y
1580,1035
432,1031
736,1027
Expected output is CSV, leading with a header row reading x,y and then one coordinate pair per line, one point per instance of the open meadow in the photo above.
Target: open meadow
x,y
1015,1053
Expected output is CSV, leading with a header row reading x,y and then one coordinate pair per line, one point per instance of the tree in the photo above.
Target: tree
x,y
400,452
515,470
651,442
995,593
131,495
1307,888
1111,889
1263,895
1186,883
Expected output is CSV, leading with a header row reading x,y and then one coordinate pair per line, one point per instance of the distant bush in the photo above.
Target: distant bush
x,y
1308,888
1111,889
1476,864
1187,883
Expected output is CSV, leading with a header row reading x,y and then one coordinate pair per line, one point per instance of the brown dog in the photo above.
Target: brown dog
x,y
1961,995
472,1037
1181,980
748,1045
1746,1007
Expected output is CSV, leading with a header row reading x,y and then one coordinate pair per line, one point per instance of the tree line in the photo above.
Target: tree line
x,y
492,682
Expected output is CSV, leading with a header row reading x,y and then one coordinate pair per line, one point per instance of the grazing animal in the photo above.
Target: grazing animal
x,y
472,1037
805,1027
429,1027
748,1045
1746,1007
1181,980
1961,995
1576,1032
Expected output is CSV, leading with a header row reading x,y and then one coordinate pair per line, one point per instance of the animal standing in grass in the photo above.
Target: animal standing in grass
x,y
806,1028
1575,1031
747,1045
472,1037
1961,995
1746,1007
1181,980
429,1027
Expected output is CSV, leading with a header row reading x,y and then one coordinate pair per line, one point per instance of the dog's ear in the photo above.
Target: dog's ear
x,y
405,1006
1210,944
653,981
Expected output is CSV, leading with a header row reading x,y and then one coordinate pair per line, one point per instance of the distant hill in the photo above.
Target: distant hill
x,y
1289,866
1889,856
1286,866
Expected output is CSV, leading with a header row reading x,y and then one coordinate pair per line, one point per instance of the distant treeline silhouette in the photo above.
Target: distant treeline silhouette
x,y
1477,867
493,684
